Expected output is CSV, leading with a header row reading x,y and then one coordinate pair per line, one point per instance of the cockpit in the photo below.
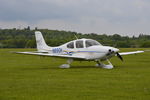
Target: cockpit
x,y
82,43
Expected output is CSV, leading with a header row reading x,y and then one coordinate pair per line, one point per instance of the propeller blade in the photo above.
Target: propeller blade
x,y
119,56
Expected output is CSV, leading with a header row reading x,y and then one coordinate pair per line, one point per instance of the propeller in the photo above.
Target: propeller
x,y
119,56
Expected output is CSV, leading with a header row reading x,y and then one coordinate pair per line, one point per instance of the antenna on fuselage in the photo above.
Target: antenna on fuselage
x,y
76,37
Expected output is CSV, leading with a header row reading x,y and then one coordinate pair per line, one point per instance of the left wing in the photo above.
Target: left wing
x,y
52,55
128,53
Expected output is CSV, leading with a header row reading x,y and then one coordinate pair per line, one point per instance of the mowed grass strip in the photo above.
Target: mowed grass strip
x,y
27,77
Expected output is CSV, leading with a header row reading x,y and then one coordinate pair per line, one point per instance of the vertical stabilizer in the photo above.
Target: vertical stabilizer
x,y
40,42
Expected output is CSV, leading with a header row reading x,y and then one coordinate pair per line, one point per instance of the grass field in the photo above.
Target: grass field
x,y
25,77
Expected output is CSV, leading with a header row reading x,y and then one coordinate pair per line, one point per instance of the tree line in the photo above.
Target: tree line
x,y
24,38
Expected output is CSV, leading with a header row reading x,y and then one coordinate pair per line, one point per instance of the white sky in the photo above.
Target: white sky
x,y
124,17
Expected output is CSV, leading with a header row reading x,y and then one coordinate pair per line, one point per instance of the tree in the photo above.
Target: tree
x,y
24,38
145,44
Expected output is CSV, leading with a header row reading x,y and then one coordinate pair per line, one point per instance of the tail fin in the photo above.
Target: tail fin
x,y
40,42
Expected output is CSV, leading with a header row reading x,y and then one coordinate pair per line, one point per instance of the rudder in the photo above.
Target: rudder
x,y
40,42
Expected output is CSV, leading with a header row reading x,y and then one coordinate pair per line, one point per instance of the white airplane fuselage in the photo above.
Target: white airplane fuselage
x,y
95,52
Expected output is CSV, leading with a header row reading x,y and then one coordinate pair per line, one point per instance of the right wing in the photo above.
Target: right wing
x,y
128,53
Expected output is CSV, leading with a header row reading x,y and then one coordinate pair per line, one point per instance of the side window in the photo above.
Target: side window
x,y
88,43
79,44
70,45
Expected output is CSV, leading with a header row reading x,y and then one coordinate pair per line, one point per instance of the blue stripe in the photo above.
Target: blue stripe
x,y
72,52
91,51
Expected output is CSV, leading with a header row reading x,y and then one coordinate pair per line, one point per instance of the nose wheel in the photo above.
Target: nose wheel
x,y
109,66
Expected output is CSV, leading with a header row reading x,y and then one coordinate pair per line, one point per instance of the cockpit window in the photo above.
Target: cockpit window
x,y
70,45
79,44
91,43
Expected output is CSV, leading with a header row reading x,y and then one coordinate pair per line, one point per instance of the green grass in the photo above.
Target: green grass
x,y
26,77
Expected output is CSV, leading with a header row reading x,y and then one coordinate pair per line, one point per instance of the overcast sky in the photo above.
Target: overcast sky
x,y
124,17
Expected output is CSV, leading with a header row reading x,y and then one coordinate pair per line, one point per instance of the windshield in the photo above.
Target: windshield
x,y
91,43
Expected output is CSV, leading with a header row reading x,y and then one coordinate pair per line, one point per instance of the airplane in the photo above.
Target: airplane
x,y
80,50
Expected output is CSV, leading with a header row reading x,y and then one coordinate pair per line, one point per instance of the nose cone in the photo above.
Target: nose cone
x,y
115,49
110,49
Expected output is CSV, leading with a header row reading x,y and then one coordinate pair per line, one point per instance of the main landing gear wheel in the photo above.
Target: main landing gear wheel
x,y
69,61
64,66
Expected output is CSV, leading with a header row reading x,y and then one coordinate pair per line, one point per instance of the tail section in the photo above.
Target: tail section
x,y
40,42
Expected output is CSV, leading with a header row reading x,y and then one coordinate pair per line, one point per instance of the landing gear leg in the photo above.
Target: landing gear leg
x,y
109,66
69,61
109,63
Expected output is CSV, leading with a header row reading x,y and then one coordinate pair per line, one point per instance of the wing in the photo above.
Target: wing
x,y
52,55
129,53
